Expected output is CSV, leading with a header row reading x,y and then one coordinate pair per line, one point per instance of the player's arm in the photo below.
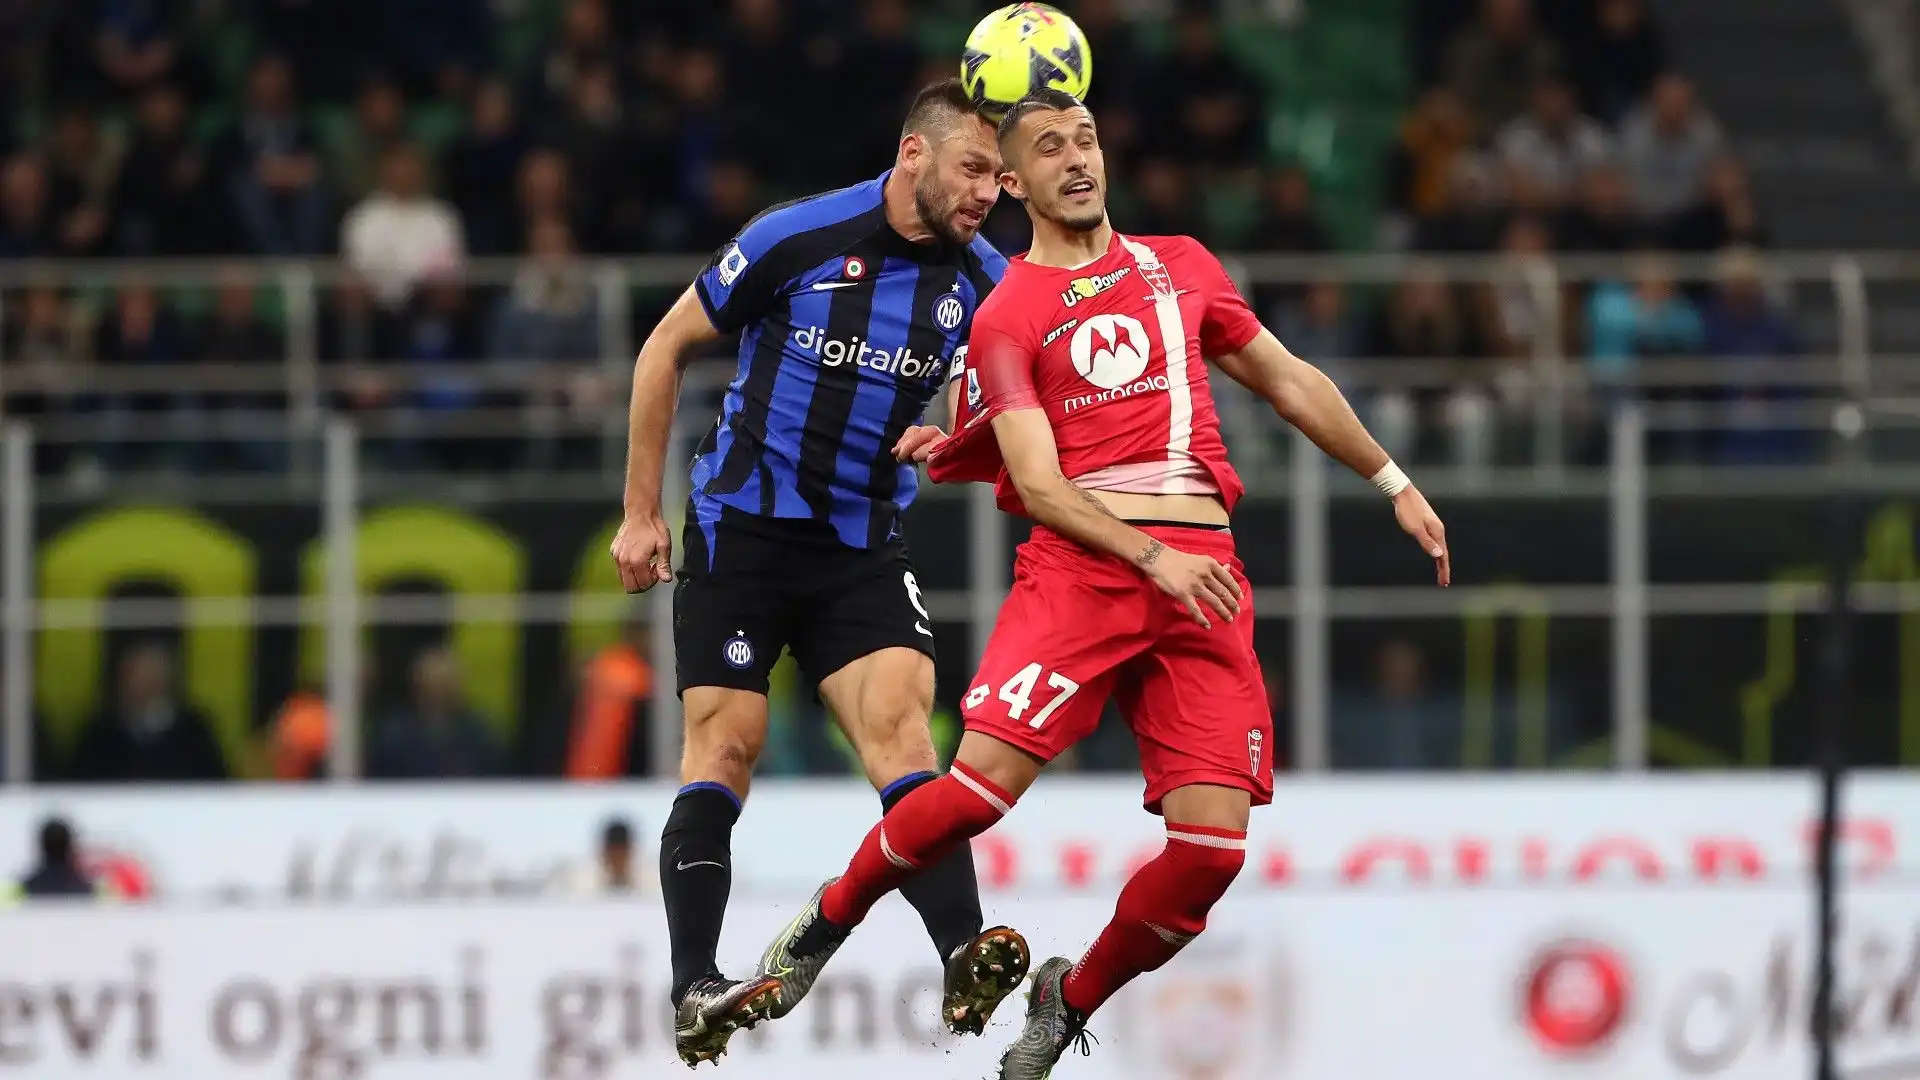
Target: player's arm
x,y
1032,458
1304,397
643,548
735,289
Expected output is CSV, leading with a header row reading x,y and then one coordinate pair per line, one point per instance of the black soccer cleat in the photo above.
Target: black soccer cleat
x,y
980,975
1052,1028
715,1008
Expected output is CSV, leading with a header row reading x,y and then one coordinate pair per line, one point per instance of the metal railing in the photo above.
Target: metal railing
x,y
1312,603
340,481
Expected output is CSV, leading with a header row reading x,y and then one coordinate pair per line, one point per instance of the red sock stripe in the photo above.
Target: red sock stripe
x,y
989,791
1206,836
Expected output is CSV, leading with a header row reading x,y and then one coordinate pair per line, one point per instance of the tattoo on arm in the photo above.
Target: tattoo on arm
x,y
1151,555
1092,499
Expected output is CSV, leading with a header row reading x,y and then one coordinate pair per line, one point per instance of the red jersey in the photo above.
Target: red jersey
x,y
1115,352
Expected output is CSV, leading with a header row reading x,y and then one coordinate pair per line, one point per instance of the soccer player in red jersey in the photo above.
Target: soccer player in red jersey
x,y
1086,402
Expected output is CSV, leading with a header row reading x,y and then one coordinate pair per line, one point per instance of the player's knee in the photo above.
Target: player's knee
x,y
1200,873
724,745
897,735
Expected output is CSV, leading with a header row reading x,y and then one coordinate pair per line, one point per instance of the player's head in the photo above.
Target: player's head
x,y
948,151
1053,158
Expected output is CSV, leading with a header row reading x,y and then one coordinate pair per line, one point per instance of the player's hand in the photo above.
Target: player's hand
x,y
1419,521
918,443
643,551
1198,582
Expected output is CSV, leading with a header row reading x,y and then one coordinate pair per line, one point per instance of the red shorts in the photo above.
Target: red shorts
x,y
1081,627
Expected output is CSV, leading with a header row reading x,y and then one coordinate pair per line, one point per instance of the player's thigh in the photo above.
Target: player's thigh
x,y
882,701
728,632
1198,709
1049,666
862,632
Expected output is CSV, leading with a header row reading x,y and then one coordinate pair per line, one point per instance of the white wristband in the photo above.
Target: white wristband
x,y
1390,480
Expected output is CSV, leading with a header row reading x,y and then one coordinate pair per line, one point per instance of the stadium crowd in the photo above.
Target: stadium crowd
x,y
409,137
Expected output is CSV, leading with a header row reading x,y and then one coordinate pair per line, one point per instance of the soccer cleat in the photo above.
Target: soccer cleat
x,y
796,972
1051,1029
980,975
714,1009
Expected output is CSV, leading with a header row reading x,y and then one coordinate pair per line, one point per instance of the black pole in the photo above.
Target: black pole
x,y
1831,724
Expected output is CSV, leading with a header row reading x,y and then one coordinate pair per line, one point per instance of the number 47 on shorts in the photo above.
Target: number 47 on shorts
x,y
1017,692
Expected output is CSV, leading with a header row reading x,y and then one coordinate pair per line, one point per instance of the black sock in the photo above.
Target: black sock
x,y
947,895
696,873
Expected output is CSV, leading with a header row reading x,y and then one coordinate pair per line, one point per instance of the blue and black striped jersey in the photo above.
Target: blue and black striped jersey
x,y
847,331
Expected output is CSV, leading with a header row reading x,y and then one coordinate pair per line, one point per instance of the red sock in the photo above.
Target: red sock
x,y
1162,907
919,831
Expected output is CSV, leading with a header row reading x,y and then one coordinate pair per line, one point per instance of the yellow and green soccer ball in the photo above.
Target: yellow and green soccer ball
x,y
1022,48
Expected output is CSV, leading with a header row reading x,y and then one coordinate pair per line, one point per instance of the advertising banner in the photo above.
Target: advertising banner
x,y
1070,835
1522,984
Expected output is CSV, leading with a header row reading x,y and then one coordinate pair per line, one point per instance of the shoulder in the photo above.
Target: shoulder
x,y
1009,309
827,219
987,258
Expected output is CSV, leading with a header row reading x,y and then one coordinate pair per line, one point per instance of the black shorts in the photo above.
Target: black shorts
x,y
765,585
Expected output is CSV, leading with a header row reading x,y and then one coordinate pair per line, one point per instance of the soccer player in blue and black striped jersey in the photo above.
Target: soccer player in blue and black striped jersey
x,y
852,307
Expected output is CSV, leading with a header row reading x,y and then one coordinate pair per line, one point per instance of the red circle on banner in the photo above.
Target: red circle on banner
x,y
1575,997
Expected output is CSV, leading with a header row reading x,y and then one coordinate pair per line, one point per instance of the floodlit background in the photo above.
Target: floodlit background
x,y
280,278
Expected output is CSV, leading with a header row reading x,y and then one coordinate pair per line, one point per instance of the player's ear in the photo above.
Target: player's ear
x,y
914,151
1010,183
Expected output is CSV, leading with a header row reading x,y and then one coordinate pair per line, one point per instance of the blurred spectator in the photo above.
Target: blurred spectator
x,y
612,871
605,153
1552,146
1727,216
552,311
141,331
1617,60
269,165
733,197
1604,220
1667,145
43,367
878,70
1472,214
25,227
1649,318
612,729
1494,62
1113,96
699,123
1741,323
1320,329
400,234
299,737
379,124
57,873
83,174
146,733
436,46
436,735
1289,222
1207,108
1163,190
1422,320
137,44
481,169
1398,723
440,330
235,334
1433,137
583,38
543,189
765,54
1512,317
165,204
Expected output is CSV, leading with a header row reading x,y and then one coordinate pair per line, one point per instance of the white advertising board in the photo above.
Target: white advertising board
x,y
1069,835
1521,984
